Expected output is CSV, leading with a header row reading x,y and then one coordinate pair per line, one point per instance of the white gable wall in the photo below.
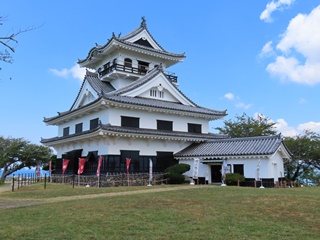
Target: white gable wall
x,y
160,82
144,35
86,95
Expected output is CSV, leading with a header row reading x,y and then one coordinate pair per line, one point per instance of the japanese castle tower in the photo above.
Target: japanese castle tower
x,y
130,107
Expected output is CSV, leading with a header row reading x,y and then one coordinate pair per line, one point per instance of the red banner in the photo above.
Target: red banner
x,y
128,160
82,162
99,166
65,165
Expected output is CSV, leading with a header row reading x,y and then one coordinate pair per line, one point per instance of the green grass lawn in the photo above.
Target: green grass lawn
x,y
212,212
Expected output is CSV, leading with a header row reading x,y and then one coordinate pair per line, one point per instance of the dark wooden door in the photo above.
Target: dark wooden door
x,y
215,173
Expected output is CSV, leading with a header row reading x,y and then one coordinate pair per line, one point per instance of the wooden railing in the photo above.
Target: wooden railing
x,y
130,69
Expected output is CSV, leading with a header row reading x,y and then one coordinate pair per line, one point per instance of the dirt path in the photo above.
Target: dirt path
x,y
31,202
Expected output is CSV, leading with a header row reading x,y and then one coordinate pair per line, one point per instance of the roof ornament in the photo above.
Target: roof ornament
x,y
160,67
143,22
119,35
113,35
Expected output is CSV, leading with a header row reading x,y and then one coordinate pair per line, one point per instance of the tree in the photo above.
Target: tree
x,y
7,42
17,153
245,126
305,163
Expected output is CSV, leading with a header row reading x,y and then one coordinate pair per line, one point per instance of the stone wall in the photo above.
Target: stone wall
x,y
110,180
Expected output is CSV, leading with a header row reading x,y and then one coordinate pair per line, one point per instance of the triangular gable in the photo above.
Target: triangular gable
x,y
86,95
145,39
159,87
283,151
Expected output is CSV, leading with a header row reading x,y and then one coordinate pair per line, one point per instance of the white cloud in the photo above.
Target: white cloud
x,y
289,131
274,6
302,38
313,126
229,96
243,105
75,72
267,50
238,104
283,128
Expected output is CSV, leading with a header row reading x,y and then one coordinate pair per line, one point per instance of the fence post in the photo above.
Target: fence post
x,y
238,183
12,185
45,181
18,180
255,183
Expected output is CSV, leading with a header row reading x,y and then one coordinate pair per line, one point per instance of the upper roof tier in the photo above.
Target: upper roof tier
x,y
139,41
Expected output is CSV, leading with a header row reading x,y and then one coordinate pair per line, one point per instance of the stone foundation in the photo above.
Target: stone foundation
x,y
110,180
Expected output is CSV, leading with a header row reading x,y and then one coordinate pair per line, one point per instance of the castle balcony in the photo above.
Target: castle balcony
x,y
116,70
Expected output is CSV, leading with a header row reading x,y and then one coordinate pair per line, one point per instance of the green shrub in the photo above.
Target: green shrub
x,y
232,178
178,168
175,178
174,173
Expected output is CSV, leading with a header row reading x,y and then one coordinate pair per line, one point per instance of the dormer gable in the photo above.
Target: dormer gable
x,y
86,95
154,85
92,88
142,36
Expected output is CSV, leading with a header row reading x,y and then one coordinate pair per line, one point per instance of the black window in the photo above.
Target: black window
x,y
94,123
129,122
194,128
127,62
164,160
134,163
66,131
143,66
112,164
164,125
78,128
238,168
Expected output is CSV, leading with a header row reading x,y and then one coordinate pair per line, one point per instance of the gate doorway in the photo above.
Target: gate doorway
x,y
216,173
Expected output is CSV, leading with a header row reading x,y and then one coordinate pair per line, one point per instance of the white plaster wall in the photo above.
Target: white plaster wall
x,y
138,56
149,119
269,167
85,120
204,170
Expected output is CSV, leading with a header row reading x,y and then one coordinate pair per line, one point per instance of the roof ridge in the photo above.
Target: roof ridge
x,y
277,136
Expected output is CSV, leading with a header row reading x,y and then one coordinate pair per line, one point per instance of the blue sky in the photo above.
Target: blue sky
x,y
253,57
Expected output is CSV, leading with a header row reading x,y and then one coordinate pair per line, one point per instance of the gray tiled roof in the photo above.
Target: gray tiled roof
x,y
96,84
98,48
115,96
261,145
106,91
166,105
144,131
